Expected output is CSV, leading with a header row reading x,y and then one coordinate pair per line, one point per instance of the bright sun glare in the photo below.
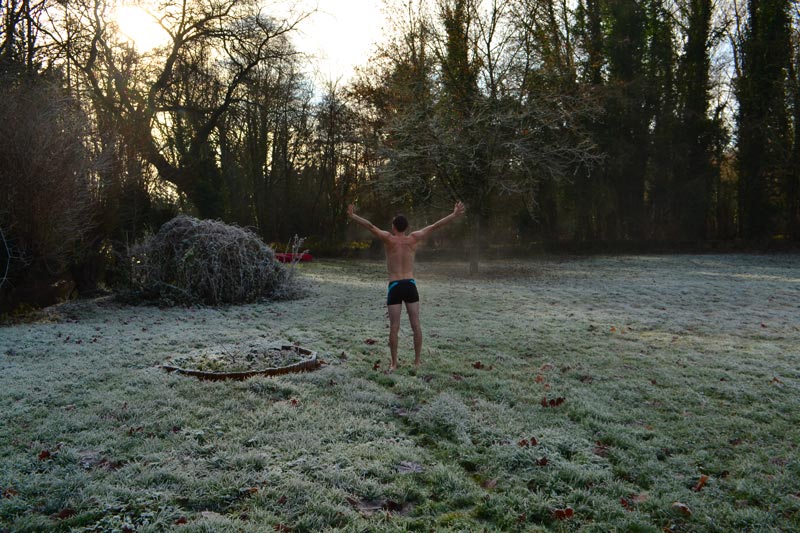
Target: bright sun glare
x,y
140,28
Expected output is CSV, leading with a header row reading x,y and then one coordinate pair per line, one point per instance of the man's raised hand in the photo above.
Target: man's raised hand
x,y
459,209
351,210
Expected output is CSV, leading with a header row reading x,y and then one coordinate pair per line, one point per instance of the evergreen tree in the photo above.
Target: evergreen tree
x,y
763,129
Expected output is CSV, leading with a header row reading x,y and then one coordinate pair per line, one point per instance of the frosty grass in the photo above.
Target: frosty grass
x,y
672,369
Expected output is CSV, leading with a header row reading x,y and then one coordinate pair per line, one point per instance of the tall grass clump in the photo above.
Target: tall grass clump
x,y
206,261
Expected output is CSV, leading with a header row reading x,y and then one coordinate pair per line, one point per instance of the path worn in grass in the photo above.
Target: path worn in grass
x,y
670,369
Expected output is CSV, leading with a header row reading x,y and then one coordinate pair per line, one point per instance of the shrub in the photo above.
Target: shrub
x,y
209,262
45,181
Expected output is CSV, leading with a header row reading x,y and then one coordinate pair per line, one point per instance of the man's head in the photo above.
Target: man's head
x,y
400,224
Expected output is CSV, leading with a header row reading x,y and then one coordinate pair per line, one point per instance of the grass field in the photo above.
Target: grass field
x,y
655,393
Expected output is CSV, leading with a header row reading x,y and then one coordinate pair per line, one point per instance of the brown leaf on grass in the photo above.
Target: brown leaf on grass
x,y
631,501
376,366
776,381
521,519
763,325
626,504
63,514
282,500
613,329
528,442
458,377
370,341
392,506
587,379
563,514
181,520
542,461
600,449
554,402
547,367
282,528
700,483
9,493
682,508
44,455
539,378
248,490
294,402
132,431
489,483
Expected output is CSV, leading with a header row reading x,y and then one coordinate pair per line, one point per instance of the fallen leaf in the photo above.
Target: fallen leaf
x,y
458,377
626,504
63,514
176,429
563,514
555,402
392,506
248,490
478,365
376,366
282,527
763,325
282,500
489,483
600,449
521,519
539,378
9,493
613,329
587,379
44,455
701,483
370,341
776,381
294,402
546,367
542,461
682,508
181,520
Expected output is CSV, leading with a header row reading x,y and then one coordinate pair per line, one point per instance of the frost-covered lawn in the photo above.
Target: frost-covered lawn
x,y
676,373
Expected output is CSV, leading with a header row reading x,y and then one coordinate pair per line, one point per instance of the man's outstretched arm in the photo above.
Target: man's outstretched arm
x,y
458,210
379,233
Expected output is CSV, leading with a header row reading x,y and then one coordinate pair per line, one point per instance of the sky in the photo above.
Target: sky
x,y
339,36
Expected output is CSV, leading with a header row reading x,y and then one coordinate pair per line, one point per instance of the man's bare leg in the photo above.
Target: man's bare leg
x,y
413,317
394,328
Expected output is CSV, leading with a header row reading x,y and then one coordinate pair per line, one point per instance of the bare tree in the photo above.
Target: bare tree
x,y
213,50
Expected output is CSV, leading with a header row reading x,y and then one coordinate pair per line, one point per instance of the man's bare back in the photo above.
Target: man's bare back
x,y
400,251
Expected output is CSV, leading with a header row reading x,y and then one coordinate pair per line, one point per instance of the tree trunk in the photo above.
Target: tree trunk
x,y
475,250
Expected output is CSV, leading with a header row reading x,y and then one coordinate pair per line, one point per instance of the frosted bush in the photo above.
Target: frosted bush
x,y
209,262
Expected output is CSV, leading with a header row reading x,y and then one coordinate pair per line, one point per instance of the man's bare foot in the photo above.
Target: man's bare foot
x,y
417,363
392,367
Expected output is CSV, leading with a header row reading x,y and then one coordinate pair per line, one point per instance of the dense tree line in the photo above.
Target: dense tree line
x,y
601,120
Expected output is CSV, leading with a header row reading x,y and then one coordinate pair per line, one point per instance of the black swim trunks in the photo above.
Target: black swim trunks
x,y
402,290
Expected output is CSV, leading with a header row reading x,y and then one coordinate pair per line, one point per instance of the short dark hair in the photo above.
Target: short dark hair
x,y
400,223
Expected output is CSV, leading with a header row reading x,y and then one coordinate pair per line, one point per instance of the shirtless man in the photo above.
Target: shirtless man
x,y
400,251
